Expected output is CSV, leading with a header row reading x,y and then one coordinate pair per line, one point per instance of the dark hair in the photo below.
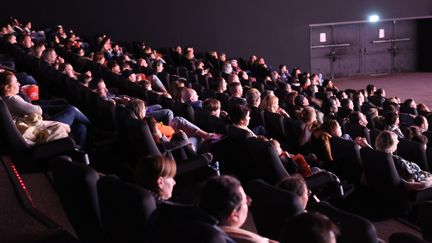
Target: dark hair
x,y
370,88
294,184
354,117
211,104
345,103
419,120
308,228
379,92
329,126
238,113
152,124
390,118
5,80
220,196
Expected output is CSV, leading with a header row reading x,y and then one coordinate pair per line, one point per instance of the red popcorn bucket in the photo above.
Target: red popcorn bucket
x,y
31,90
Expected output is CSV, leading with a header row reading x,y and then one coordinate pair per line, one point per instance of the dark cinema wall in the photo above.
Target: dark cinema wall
x,y
275,29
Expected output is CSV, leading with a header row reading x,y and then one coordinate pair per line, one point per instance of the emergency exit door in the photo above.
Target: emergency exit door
x,y
340,50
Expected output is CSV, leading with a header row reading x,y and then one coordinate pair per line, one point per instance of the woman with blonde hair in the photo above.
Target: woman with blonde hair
x,y
270,103
413,177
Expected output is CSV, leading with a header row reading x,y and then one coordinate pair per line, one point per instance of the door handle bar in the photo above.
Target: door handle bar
x,y
390,40
331,46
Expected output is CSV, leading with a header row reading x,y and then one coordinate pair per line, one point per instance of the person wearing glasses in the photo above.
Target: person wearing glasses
x,y
223,198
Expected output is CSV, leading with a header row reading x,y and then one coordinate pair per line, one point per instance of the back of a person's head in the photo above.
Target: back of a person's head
x,y
309,228
253,96
386,141
238,113
379,92
211,104
370,88
391,118
419,120
329,126
294,184
220,196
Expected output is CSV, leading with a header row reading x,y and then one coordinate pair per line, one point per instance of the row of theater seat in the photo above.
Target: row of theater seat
x,y
236,157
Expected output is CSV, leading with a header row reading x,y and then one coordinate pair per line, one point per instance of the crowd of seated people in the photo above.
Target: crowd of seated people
x,y
310,111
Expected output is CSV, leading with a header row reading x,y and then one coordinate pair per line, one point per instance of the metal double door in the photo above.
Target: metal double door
x,y
341,50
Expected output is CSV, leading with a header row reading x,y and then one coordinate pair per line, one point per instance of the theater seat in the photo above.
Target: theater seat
x,y
181,223
76,186
271,207
125,209
28,158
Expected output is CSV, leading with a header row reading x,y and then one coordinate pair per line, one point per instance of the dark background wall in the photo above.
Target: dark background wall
x,y
277,30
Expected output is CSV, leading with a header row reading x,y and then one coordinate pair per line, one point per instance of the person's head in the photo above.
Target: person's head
x,y
99,87
296,185
301,101
308,115
189,95
199,64
370,89
156,173
411,131
10,38
223,198
222,57
358,98
130,75
26,41
9,85
138,107
380,92
410,103
243,75
309,228
347,104
227,68
358,118
85,79
154,128
236,89
98,57
38,49
49,56
270,103
213,105
386,141
253,97
67,69
113,66
233,78
391,118
234,63
221,85
240,115
421,122
276,145
332,127
422,108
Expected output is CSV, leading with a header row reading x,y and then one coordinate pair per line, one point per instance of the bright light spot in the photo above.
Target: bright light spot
x,y
374,18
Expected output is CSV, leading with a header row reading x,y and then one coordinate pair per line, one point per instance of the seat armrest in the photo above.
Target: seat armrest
x,y
53,148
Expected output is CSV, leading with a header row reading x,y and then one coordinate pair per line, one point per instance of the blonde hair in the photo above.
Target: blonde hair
x,y
386,141
269,102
